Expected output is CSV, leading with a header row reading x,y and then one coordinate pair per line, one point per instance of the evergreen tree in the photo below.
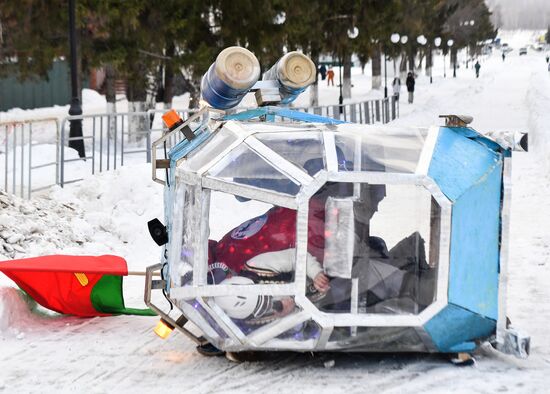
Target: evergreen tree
x,y
142,41
252,24
34,34
304,30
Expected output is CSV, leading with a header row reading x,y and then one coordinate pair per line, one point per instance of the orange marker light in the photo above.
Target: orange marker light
x,y
172,119
163,329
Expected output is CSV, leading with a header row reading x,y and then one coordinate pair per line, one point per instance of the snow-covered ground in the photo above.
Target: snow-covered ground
x,y
108,213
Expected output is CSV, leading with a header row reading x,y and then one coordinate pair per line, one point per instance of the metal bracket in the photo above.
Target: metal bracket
x,y
514,343
151,284
162,163
457,120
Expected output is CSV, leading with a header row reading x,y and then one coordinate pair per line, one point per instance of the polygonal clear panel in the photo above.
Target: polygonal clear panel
x,y
302,150
251,239
244,166
376,339
301,336
375,151
205,318
246,313
187,248
260,127
308,331
209,150
381,249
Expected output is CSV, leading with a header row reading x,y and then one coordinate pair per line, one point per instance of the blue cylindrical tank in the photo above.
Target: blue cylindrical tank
x,y
294,72
230,77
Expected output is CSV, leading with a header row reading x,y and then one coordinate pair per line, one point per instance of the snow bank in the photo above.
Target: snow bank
x,y
39,226
107,213
117,206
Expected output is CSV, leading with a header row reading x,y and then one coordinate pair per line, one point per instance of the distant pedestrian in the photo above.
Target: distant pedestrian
x,y
396,85
477,67
410,86
503,56
547,58
330,76
323,71
548,67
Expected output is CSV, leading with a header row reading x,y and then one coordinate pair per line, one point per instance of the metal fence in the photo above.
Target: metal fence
x,y
30,151
37,156
367,112
110,141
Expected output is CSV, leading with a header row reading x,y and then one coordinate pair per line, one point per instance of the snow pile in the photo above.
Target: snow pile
x,y
40,225
104,214
117,206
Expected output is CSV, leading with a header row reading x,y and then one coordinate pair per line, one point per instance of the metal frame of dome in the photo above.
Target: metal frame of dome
x,y
429,324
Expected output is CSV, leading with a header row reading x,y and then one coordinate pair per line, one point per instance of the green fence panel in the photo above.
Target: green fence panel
x,y
35,93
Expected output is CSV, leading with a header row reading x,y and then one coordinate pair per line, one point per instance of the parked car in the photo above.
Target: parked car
x,y
522,51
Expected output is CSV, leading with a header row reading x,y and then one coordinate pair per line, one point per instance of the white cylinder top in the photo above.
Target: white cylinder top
x,y
296,70
237,67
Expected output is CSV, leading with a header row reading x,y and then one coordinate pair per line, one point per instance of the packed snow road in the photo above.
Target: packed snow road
x,y
45,353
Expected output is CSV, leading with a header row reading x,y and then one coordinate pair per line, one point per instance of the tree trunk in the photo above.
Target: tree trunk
x,y
136,92
192,87
403,68
314,94
314,88
376,69
110,95
454,56
429,62
346,88
412,56
169,76
194,94
420,60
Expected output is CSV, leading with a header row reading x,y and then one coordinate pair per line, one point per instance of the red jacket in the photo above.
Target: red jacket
x,y
273,231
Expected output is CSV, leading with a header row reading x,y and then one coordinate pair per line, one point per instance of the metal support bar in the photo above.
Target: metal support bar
x,y
150,285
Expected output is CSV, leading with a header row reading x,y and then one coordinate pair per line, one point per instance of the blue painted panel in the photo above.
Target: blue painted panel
x,y
454,329
459,162
282,112
474,135
184,147
475,229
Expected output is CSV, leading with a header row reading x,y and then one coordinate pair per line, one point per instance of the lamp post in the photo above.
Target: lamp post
x,y
385,73
352,33
394,38
75,133
422,40
450,44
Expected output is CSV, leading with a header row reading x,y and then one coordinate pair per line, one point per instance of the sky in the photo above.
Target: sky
x,y
522,14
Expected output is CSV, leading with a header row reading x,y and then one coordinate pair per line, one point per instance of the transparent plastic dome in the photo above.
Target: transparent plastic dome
x,y
312,236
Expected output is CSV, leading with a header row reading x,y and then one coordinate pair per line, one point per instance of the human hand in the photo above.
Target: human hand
x,y
321,282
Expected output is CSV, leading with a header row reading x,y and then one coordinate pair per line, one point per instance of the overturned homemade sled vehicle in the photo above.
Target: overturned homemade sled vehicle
x,y
408,226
